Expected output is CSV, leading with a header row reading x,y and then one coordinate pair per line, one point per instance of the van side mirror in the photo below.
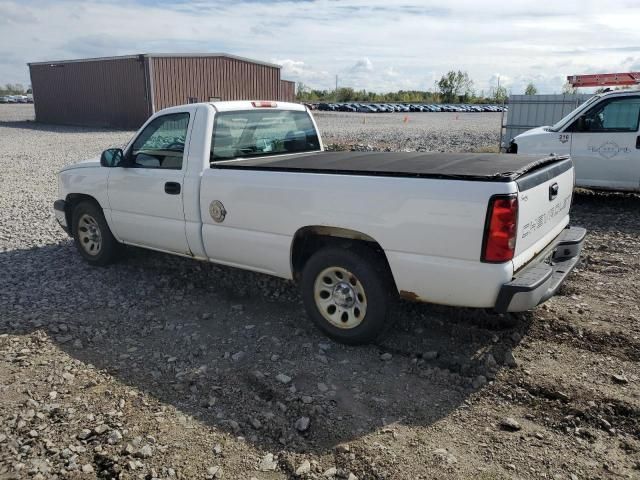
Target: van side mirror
x,y
583,124
112,157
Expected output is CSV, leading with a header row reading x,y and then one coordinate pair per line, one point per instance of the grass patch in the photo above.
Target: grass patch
x,y
487,149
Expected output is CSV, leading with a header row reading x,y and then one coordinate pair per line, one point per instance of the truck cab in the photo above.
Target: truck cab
x,y
602,137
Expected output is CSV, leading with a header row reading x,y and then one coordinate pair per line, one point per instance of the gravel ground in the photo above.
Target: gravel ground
x,y
161,367
438,132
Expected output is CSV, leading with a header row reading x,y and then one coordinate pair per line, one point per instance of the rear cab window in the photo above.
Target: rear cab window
x,y
252,133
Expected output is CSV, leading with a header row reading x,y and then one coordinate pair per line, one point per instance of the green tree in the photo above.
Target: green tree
x,y
345,94
304,93
454,86
500,94
569,89
12,89
531,89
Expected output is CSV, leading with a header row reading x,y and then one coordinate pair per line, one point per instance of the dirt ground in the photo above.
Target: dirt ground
x,y
161,367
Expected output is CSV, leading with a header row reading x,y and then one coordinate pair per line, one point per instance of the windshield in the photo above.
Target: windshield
x,y
252,133
561,123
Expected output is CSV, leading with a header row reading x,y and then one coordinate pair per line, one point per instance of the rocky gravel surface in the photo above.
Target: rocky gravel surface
x,y
422,132
161,367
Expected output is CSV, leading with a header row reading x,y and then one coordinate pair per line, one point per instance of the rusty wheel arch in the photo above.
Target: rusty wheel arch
x,y
308,240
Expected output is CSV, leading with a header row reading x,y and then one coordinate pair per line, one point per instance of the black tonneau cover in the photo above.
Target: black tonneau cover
x,y
463,166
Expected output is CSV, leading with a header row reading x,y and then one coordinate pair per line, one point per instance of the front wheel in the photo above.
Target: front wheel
x,y
347,294
92,235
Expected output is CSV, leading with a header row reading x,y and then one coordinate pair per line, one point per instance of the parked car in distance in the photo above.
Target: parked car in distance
x,y
245,184
364,108
602,136
346,108
403,108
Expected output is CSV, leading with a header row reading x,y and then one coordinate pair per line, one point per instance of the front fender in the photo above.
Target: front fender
x,y
86,182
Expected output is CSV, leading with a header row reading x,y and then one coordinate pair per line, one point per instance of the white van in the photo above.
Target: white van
x,y
602,137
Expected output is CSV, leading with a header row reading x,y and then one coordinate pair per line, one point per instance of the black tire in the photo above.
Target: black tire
x,y
109,248
372,276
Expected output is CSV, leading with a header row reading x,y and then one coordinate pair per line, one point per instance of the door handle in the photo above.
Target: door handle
x,y
638,142
172,188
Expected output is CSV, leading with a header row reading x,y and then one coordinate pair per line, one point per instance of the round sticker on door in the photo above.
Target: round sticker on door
x,y
217,211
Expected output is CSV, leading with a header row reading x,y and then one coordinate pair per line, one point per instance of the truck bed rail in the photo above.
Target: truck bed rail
x,y
459,166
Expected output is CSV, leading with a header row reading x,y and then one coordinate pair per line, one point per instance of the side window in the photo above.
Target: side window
x,y
161,143
617,115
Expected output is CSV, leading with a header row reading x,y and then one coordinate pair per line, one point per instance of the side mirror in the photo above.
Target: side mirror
x,y
583,124
112,157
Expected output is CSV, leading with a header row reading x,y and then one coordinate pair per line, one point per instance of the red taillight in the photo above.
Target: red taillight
x,y
263,104
501,229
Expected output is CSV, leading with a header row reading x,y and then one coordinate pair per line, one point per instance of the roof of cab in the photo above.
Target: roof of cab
x,y
237,105
628,91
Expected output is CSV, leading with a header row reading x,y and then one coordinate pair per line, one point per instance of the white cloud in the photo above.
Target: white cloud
x,y
500,79
390,72
299,71
363,65
382,46
292,67
633,63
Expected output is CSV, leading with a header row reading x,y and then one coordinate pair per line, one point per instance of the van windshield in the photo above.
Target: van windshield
x,y
251,133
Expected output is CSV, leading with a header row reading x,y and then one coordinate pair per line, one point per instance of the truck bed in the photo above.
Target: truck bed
x,y
461,166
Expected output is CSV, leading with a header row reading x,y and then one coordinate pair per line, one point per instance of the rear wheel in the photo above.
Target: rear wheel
x,y
92,235
347,294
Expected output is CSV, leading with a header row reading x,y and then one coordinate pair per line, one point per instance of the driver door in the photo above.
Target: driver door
x,y
605,145
146,196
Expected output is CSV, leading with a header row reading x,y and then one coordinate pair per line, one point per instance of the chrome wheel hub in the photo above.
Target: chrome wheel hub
x,y
344,295
340,297
89,234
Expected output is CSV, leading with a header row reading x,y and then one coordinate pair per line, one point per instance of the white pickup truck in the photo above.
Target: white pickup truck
x,y
247,184
601,135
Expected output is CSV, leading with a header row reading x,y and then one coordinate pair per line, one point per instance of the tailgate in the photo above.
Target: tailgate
x,y
544,200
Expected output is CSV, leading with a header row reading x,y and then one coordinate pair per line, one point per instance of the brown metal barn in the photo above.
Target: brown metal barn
x,y
123,92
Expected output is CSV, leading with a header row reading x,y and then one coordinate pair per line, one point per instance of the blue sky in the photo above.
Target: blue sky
x,y
374,44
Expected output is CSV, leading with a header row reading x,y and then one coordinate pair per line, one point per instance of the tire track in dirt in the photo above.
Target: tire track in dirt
x,y
614,343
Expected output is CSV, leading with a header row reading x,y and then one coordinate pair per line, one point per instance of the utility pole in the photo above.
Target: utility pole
x,y
336,88
502,126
